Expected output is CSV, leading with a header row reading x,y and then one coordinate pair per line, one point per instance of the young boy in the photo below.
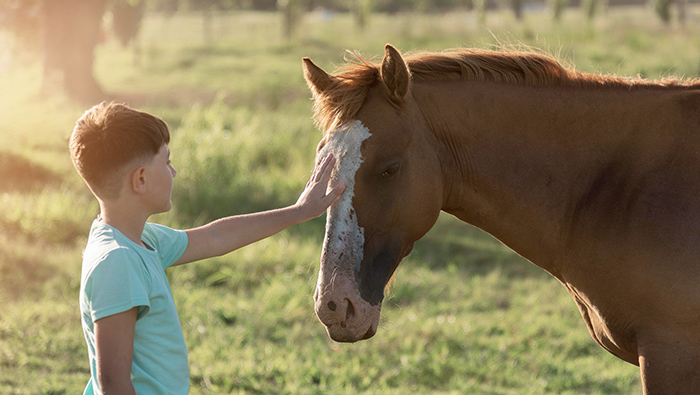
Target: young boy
x,y
135,342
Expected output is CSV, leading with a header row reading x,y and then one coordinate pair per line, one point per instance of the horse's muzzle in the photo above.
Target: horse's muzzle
x,y
346,316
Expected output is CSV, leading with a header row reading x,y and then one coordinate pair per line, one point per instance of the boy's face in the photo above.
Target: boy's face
x,y
160,179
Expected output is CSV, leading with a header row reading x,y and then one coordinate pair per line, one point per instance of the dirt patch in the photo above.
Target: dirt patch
x,y
19,174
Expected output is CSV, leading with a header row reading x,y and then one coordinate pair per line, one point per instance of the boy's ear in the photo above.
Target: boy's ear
x,y
137,180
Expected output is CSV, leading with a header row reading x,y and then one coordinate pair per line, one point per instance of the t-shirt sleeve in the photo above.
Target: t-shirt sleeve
x,y
116,284
169,243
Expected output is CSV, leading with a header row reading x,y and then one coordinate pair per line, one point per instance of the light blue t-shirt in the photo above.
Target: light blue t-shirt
x,y
118,275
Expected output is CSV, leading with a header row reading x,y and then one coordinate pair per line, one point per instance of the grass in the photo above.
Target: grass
x,y
465,315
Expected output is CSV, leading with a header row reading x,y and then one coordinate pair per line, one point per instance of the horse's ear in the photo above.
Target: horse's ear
x,y
317,79
395,74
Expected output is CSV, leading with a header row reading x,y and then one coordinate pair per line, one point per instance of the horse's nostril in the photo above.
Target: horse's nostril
x,y
351,310
332,306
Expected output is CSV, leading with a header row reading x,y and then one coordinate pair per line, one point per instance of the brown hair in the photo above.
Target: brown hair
x,y
110,136
342,100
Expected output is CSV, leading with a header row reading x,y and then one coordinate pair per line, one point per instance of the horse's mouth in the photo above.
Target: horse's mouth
x,y
370,332
347,337
343,333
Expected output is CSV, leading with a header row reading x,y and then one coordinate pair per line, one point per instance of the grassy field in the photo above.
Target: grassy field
x,y
465,315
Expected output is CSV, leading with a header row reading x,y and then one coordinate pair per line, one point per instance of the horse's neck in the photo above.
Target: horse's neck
x,y
516,159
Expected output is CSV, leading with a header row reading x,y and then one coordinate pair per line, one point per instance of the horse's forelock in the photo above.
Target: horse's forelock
x,y
341,102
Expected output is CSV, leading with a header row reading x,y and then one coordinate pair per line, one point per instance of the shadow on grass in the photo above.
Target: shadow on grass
x,y
19,174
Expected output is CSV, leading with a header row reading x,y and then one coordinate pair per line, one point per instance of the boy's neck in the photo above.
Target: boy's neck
x,y
125,221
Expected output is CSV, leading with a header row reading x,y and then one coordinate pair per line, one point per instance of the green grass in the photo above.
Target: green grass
x,y
465,314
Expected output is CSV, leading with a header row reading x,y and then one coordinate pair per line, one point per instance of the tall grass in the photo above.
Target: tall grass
x,y
465,315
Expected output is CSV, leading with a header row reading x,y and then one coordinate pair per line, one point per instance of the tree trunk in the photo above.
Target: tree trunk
x,y
517,6
682,11
71,32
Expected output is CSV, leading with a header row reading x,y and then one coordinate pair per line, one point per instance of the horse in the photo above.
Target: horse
x,y
593,178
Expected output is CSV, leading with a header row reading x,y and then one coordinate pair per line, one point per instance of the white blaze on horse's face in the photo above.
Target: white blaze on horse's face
x,y
345,145
337,297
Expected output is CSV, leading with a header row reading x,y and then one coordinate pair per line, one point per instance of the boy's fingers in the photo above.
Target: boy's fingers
x,y
328,161
318,169
326,165
336,192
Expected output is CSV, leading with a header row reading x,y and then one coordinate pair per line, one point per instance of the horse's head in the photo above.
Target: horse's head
x,y
388,162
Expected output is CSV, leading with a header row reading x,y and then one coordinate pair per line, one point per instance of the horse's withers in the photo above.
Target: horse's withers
x,y
338,302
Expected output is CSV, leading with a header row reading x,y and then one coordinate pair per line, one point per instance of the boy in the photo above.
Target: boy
x,y
135,342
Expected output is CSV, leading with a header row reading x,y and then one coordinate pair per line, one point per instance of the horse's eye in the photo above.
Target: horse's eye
x,y
392,170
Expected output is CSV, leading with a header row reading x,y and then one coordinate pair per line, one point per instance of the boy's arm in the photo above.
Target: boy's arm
x,y
228,234
114,349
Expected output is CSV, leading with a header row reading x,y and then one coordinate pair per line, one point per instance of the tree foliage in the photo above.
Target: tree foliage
x,y
23,18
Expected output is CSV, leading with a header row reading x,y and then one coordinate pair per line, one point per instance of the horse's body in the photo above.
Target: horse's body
x,y
595,179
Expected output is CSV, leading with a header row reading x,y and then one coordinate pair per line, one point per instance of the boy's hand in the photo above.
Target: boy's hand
x,y
314,200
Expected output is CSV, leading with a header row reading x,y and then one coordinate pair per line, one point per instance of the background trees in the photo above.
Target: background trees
x,y
65,32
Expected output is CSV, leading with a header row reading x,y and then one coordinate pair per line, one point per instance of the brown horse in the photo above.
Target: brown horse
x,y
595,179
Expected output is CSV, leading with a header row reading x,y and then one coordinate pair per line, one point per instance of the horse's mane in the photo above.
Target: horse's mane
x,y
342,101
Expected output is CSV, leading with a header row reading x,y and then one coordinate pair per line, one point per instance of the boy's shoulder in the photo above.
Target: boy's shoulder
x,y
155,232
163,244
104,237
168,243
106,243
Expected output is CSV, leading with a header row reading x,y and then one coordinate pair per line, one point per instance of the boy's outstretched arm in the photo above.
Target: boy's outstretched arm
x,y
228,234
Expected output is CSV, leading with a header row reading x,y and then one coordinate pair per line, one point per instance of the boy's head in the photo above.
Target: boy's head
x,y
109,139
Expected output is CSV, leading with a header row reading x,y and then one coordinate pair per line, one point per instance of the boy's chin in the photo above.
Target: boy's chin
x,y
165,208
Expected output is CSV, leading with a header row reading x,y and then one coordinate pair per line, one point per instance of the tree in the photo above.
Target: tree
x,y
591,7
557,7
682,11
361,10
23,19
663,10
64,33
127,19
517,7
292,13
71,32
480,8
